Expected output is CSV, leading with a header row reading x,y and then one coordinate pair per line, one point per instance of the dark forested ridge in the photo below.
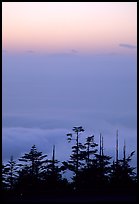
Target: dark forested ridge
x,y
96,176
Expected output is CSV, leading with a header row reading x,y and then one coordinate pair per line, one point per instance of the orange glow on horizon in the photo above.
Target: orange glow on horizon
x,y
52,26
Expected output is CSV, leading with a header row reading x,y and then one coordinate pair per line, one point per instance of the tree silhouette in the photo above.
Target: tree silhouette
x,y
5,171
93,172
75,163
87,155
35,160
90,149
51,175
102,164
122,174
10,171
30,173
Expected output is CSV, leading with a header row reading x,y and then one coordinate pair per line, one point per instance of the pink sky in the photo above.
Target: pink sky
x,y
84,26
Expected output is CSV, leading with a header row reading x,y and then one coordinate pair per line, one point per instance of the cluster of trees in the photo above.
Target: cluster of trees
x,y
93,171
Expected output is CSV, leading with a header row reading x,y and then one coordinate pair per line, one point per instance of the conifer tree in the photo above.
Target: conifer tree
x,y
102,165
122,174
90,150
52,174
11,173
30,172
5,171
34,160
75,162
88,171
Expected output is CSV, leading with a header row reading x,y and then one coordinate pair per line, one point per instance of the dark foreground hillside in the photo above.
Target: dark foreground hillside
x,y
71,199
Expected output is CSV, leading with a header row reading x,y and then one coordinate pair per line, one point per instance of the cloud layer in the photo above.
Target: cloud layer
x,y
17,141
44,96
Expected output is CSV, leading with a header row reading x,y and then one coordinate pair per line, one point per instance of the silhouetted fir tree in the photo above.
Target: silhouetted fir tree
x,y
35,159
122,174
90,150
128,171
95,173
11,173
75,163
25,180
102,165
52,175
4,172
86,175
30,173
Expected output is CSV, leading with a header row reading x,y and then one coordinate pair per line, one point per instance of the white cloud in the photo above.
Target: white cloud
x,y
44,96
17,141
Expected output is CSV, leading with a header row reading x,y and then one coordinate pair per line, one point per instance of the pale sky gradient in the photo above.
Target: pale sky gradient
x,y
62,26
45,95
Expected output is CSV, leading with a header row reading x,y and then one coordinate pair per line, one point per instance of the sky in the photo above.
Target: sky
x,y
62,26
65,65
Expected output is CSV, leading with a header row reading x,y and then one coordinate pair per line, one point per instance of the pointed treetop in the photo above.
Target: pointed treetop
x,y
124,151
53,153
100,145
117,146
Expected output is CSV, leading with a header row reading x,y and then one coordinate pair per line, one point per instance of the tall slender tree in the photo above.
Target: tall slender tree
x,y
53,175
74,164
102,164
